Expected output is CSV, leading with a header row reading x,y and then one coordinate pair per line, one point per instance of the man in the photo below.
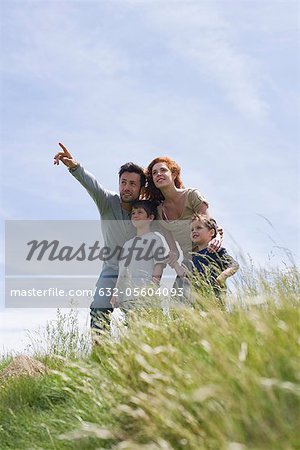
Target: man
x,y
115,212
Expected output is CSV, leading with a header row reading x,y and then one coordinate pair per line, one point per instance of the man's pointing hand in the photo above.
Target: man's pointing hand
x,y
65,157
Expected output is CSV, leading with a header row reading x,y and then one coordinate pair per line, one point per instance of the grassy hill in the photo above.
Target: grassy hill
x,y
200,378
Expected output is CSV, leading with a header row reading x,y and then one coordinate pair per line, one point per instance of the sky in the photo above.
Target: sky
x,y
212,84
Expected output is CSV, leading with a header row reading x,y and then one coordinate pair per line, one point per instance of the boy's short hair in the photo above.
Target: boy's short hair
x,y
209,222
149,206
133,168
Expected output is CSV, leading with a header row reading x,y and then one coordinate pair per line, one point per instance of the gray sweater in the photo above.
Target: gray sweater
x,y
115,221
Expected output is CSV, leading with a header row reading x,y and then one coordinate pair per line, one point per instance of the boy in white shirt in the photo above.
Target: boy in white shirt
x,y
142,260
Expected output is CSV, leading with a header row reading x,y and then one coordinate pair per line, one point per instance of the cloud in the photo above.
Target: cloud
x,y
58,49
202,38
132,82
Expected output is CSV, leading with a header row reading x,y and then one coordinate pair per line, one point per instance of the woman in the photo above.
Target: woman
x,y
177,203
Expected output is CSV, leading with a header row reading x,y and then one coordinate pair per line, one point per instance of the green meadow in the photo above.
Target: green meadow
x,y
197,378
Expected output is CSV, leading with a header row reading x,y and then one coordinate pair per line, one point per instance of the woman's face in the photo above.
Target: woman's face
x,y
162,175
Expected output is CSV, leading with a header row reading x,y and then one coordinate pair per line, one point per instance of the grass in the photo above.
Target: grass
x,y
199,378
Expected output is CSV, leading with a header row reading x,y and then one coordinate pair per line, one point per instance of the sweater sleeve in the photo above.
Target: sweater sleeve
x,y
97,192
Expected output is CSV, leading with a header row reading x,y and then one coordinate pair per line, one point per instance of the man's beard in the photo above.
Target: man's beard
x,y
127,199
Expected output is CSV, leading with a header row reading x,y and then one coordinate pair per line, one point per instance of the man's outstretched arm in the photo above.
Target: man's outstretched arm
x,y
86,179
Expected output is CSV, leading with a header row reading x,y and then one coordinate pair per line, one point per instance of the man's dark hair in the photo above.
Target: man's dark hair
x,y
149,206
133,168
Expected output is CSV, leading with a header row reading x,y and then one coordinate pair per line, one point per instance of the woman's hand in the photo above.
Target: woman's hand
x,y
180,271
172,258
216,243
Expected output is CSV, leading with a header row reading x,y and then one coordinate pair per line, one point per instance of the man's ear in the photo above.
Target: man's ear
x,y
151,217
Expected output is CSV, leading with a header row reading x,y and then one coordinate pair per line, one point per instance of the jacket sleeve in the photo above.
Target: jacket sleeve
x,y
228,260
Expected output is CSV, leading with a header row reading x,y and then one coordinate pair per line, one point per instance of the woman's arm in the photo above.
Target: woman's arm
x,y
157,273
173,253
181,271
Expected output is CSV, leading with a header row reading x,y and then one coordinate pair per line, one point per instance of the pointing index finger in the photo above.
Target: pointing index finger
x,y
65,150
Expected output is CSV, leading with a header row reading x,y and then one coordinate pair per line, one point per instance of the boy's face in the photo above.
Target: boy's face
x,y
200,233
139,217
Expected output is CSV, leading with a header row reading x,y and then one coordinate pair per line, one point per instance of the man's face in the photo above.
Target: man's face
x,y
129,187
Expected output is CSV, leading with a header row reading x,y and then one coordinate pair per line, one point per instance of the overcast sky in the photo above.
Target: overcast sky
x,y
214,85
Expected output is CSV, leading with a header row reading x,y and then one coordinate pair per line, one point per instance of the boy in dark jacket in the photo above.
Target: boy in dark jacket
x,y
212,268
